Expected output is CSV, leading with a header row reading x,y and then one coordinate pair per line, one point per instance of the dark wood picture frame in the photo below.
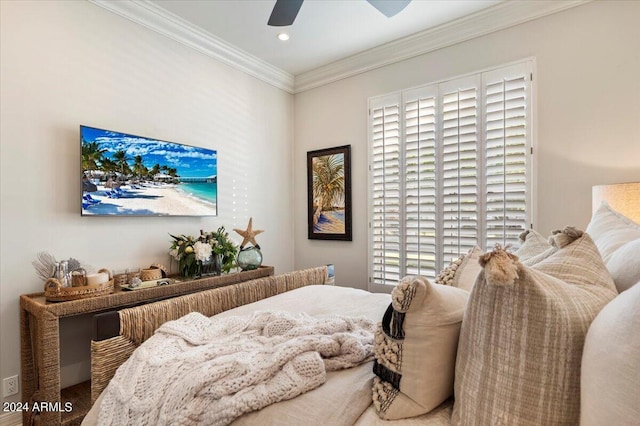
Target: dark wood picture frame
x,y
329,194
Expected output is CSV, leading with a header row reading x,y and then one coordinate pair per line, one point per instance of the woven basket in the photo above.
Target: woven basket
x,y
55,292
150,274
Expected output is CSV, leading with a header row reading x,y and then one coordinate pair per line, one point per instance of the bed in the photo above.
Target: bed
x,y
345,397
514,349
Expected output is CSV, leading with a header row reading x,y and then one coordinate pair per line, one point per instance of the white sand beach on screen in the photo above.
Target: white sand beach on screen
x,y
151,199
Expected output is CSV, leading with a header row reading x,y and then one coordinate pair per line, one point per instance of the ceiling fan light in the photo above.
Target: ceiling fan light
x,y
283,36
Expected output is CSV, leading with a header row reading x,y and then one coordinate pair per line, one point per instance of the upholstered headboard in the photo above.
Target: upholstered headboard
x,y
115,341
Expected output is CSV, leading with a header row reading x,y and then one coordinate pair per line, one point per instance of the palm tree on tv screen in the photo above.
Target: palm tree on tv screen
x,y
92,155
155,170
121,159
139,169
108,166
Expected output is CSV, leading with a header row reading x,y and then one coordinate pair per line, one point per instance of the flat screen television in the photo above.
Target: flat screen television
x,y
128,175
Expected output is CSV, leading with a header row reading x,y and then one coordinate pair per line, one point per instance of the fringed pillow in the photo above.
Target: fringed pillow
x,y
463,271
534,247
523,334
415,348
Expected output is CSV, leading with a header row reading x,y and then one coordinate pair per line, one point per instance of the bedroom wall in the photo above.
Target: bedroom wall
x,y
587,123
67,63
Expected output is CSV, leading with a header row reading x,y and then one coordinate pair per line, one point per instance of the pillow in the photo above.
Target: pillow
x,y
415,348
523,332
610,230
533,248
463,271
609,392
624,265
613,232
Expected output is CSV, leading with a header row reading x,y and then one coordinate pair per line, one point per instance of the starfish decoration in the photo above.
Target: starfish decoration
x,y
249,234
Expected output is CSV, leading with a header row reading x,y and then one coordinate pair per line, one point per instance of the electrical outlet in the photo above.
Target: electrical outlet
x,y
10,386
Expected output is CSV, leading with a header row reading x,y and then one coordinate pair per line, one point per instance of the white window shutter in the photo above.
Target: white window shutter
x,y
450,168
420,181
459,135
385,175
506,115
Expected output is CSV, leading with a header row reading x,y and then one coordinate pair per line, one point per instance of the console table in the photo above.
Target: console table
x,y
40,342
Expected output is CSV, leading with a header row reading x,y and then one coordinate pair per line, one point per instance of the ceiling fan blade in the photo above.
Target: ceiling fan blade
x,y
284,12
389,8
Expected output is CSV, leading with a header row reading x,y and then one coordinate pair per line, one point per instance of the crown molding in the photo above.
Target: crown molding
x,y
156,18
498,17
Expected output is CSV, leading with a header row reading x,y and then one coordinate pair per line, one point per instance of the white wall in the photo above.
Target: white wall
x,y
68,63
587,124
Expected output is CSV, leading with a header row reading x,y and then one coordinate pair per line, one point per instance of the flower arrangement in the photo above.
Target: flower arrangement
x,y
221,246
191,253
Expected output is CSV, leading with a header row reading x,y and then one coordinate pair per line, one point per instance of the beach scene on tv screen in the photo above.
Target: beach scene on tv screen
x,y
123,174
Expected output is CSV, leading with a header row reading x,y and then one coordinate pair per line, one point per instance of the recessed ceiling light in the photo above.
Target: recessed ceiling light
x,y
283,36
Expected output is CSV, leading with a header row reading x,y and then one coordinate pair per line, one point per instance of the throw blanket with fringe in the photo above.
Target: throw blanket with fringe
x,y
199,370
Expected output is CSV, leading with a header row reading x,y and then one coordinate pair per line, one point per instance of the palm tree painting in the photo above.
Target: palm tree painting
x,y
329,193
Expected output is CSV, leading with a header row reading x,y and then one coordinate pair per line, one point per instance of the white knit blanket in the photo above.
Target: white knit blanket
x,y
199,370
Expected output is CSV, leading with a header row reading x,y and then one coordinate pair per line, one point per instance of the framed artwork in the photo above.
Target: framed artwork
x,y
329,193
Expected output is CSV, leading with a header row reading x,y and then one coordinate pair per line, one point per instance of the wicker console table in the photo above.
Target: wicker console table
x,y
40,342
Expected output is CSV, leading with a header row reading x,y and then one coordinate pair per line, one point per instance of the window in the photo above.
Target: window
x,y
449,169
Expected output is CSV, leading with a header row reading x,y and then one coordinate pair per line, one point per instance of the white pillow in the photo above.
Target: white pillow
x,y
415,348
611,230
624,265
610,377
617,238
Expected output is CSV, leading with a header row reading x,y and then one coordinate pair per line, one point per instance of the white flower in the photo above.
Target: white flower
x,y
174,253
202,251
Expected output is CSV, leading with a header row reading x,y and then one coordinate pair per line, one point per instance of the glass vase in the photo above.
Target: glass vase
x,y
249,258
212,267
191,270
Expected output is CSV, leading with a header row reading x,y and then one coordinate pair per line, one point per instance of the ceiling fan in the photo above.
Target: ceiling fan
x,y
285,11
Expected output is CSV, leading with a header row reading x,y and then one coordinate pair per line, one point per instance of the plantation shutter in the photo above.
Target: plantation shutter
x,y
506,116
420,181
449,169
386,190
459,167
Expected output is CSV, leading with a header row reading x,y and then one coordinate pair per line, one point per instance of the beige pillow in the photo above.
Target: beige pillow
x,y
463,271
610,388
523,332
415,348
532,245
